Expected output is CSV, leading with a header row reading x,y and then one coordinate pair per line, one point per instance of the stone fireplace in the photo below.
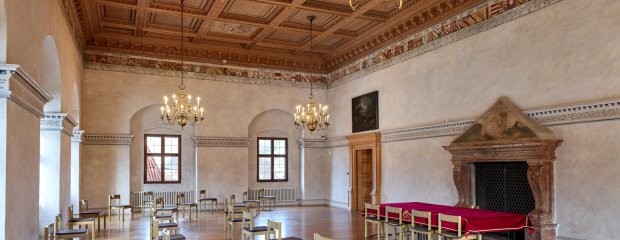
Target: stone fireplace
x,y
504,134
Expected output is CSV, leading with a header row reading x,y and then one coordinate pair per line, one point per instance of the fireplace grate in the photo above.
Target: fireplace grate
x,y
504,187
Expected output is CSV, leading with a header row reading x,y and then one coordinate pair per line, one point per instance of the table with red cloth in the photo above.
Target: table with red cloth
x,y
472,220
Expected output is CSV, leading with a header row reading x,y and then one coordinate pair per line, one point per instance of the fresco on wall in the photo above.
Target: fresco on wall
x,y
503,121
365,112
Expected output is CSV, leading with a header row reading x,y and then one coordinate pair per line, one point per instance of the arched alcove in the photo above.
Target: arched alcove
x,y
49,76
147,121
275,123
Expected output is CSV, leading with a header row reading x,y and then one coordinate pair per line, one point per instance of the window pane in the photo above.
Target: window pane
x,y
172,145
264,146
153,144
171,169
279,168
153,169
279,146
264,168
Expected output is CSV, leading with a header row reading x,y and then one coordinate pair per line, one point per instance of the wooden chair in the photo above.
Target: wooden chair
x,y
275,228
99,214
182,204
118,206
161,212
147,200
266,201
250,230
231,220
87,221
157,225
59,233
204,199
445,233
255,203
421,229
238,207
319,237
373,218
396,224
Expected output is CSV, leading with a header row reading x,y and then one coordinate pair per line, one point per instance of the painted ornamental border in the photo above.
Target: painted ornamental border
x,y
201,71
473,21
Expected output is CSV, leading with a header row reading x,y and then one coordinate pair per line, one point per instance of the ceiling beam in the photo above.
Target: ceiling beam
x,y
141,17
323,7
214,12
283,15
368,5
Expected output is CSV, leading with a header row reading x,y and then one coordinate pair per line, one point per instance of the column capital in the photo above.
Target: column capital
x,y
58,121
19,87
77,135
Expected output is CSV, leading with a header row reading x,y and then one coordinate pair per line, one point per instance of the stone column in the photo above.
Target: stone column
x,y
21,109
75,169
55,171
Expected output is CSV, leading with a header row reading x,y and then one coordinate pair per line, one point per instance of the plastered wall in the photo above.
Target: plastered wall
x,y
565,53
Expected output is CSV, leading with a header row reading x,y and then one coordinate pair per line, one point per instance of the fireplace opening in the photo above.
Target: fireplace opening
x,y
504,187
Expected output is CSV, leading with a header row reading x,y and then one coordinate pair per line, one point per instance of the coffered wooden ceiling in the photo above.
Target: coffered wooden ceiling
x,y
256,33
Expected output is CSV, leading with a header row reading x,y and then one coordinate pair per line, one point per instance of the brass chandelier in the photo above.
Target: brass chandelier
x,y
310,117
354,6
182,110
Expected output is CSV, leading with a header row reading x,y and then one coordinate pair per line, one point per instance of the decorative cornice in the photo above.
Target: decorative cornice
x,y
202,141
19,87
70,16
311,143
58,122
473,21
202,71
336,142
77,135
576,113
107,139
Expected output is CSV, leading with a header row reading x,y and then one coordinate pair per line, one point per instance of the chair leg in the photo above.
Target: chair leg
x,y
365,229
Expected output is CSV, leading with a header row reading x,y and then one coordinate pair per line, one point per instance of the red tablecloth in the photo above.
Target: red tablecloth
x,y
473,220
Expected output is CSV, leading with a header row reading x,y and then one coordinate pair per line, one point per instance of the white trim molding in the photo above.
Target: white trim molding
x,y
311,143
58,122
19,87
107,139
203,141
568,114
77,135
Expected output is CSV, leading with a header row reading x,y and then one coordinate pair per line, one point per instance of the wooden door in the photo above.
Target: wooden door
x,y
364,177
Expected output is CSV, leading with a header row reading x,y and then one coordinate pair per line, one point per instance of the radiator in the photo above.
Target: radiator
x,y
169,197
282,194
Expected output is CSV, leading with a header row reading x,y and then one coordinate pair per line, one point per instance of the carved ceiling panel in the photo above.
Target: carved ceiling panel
x,y
256,33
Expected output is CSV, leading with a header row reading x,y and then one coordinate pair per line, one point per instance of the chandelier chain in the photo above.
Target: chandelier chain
x,y
182,46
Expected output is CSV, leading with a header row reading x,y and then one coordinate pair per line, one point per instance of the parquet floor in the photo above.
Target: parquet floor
x,y
300,222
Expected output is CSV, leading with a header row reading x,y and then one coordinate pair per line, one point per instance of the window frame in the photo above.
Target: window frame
x,y
272,156
162,154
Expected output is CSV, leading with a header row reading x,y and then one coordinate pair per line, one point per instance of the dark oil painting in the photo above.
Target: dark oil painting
x,y
365,112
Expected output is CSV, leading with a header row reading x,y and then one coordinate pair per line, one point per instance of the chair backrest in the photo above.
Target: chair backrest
x,y
48,232
203,194
154,228
180,198
451,219
70,211
421,214
58,223
147,196
391,211
275,228
83,205
166,234
232,199
115,197
261,192
250,218
375,208
319,237
245,195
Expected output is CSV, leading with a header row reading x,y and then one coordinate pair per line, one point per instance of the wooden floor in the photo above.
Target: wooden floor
x,y
300,222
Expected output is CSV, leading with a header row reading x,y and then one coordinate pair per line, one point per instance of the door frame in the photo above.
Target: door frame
x,y
366,141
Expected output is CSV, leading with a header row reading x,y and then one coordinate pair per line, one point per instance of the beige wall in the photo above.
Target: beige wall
x,y
231,110
565,53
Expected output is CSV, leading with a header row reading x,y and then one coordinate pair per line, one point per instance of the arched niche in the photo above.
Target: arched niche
x,y
147,121
274,123
49,76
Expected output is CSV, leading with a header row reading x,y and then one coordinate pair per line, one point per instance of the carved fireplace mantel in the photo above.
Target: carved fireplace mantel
x,y
504,134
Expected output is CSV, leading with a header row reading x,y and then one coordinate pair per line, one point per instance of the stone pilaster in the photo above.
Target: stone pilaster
x,y
58,121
